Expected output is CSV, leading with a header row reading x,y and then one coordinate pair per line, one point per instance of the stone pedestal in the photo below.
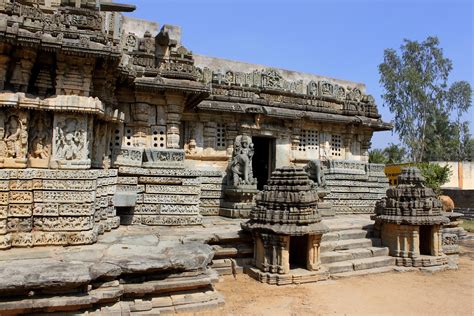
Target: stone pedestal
x,y
238,201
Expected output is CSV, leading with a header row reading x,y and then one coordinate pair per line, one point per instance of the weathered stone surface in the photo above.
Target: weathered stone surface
x,y
88,276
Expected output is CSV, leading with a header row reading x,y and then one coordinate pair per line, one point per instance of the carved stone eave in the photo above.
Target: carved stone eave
x,y
61,103
195,91
285,113
50,44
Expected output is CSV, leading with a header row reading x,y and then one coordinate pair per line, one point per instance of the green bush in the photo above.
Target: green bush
x,y
435,175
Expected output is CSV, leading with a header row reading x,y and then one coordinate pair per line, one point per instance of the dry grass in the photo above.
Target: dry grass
x,y
468,225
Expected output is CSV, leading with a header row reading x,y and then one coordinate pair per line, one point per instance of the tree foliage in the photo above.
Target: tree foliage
x,y
392,154
377,156
415,82
435,175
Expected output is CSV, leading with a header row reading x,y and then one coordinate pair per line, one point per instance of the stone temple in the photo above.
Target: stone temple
x,y
112,133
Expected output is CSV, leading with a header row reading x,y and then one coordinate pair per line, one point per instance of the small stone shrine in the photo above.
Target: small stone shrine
x,y
287,229
410,219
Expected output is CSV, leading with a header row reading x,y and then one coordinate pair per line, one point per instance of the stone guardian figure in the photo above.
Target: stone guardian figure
x,y
240,167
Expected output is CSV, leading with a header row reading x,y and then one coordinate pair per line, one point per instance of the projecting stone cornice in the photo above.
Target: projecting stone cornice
x,y
61,103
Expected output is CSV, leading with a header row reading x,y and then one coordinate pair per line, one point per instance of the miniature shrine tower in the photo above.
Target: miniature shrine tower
x,y
410,219
287,229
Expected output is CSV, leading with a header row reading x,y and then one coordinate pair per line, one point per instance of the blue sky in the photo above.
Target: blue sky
x,y
339,38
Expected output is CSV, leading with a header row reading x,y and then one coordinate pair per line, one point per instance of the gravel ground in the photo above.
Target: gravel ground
x,y
411,293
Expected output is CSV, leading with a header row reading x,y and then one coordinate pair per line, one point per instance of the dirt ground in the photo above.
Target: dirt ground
x,y
411,293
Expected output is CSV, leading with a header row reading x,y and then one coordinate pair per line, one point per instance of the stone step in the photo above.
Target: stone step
x,y
362,272
351,254
349,244
360,264
230,266
232,250
336,226
345,235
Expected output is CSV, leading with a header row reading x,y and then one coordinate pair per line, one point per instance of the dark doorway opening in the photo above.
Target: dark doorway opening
x,y
263,162
425,240
298,252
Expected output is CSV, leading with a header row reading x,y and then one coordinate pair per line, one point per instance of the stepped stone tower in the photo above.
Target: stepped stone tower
x,y
410,219
287,229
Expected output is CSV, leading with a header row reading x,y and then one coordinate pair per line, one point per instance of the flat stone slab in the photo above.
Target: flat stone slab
x,y
121,252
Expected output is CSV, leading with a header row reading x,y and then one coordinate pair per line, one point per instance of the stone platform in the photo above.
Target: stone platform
x,y
149,269
131,270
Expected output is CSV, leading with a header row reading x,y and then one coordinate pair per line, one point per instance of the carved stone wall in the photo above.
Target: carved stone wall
x,y
47,207
211,194
355,186
168,197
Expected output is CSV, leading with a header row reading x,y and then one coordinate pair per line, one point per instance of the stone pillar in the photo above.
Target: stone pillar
x,y
175,106
295,138
4,60
347,145
436,241
365,146
209,134
74,75
313,262
100,146
22,70
231,134
283,243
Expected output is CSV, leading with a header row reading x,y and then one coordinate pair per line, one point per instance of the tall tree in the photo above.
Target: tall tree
x,y
459,100
416,91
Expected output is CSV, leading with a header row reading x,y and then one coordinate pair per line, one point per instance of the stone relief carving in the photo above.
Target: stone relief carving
x,y
13,138
71,141
240,168
314,169
40,139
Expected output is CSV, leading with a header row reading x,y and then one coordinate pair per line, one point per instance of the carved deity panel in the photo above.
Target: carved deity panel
x,y
13,138
40,135
71,141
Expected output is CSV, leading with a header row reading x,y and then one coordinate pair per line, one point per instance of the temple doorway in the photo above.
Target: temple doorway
x,y
425,240
263,162
298,252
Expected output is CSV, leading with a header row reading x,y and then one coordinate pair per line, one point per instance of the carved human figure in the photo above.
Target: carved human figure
x,y
240,167
69,140
40,144
13,137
